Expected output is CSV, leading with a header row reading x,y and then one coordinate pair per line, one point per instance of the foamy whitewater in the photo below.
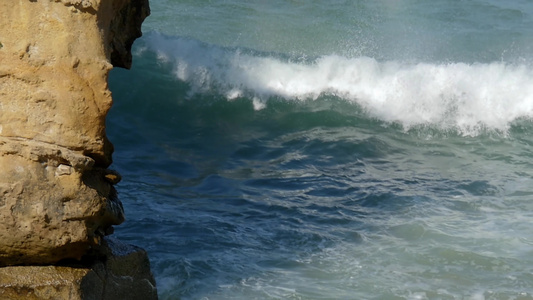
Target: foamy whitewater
x,y
467,97
330,149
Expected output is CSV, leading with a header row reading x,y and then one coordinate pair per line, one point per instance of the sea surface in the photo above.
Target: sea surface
x,y
312,149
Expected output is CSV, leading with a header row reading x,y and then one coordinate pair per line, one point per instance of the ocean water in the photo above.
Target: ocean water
x,y
291,149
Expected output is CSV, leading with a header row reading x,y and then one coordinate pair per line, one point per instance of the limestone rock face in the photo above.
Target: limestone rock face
x,y
122,273
57,199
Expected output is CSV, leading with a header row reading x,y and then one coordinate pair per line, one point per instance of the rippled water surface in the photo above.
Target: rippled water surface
x,y
330,149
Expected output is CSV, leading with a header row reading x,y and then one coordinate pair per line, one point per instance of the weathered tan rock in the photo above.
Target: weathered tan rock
x,y
57,199
122,273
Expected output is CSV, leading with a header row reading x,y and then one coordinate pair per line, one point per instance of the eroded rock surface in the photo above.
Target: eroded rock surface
x,y
123,272
57,199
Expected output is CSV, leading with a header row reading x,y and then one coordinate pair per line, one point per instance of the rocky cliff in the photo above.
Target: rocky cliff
x,y
57,200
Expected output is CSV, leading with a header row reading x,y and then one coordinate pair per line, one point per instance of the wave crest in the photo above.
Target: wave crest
x,y
467,97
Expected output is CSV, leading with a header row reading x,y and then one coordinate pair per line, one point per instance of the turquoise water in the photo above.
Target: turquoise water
x,y
330,149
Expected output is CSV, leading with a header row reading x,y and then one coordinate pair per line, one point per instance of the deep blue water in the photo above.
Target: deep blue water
x,y
330,149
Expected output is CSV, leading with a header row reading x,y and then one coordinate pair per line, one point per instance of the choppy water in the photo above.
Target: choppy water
x,y
330,149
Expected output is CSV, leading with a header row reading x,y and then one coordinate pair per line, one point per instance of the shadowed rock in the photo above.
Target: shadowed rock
x,y
121,273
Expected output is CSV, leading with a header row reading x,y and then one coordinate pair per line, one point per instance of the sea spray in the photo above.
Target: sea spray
x,y
460,96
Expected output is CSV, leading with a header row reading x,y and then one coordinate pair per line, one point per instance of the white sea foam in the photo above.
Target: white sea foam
x,y
467,97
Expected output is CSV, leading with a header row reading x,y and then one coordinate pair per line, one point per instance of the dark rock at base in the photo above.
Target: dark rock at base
x,y
122,272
